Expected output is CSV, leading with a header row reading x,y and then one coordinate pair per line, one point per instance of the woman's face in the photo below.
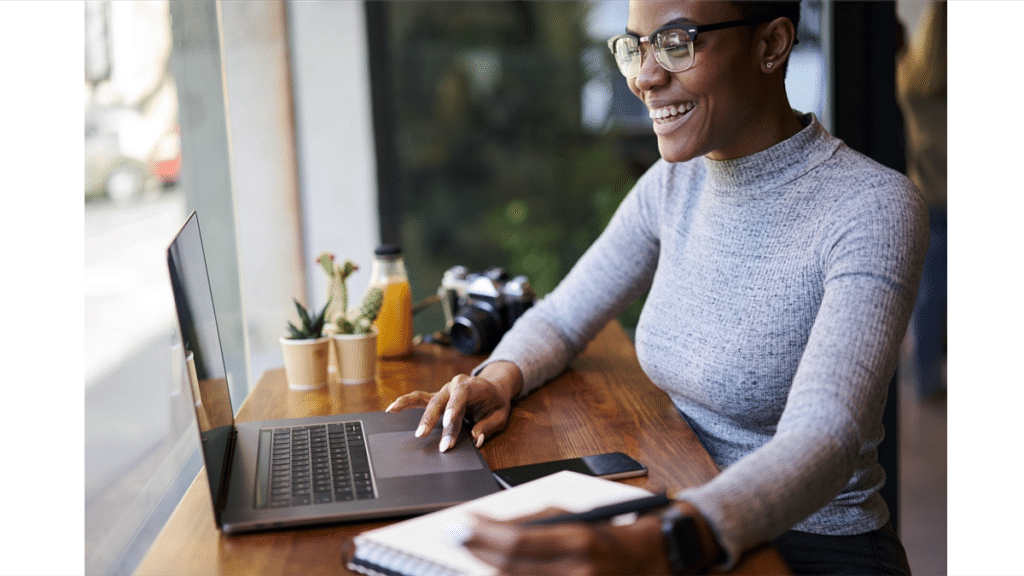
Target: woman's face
x,y
716,99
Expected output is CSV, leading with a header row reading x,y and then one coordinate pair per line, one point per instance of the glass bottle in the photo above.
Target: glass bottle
x,y
394,322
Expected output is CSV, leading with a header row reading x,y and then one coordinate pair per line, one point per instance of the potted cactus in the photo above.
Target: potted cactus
x,y
305,350
353,332
337,291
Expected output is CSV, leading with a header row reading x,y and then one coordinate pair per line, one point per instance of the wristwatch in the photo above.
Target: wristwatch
x,y
682,542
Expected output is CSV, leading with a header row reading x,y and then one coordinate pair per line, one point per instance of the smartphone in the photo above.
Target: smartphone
x,y
613,465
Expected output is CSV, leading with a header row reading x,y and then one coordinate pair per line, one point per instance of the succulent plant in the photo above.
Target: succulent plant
x,y
312,327
356,321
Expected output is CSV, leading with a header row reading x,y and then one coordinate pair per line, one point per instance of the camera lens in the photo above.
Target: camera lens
x,y
475,331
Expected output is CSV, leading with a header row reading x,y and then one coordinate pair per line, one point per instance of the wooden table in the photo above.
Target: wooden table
x,y
603,403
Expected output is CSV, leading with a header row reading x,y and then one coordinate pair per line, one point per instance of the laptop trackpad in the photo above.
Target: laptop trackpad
x,y
396,454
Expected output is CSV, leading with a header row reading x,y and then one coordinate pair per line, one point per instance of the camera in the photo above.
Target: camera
x,y
480,307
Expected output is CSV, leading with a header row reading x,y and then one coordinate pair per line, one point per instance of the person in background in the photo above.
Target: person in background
x,y
921,91
782,267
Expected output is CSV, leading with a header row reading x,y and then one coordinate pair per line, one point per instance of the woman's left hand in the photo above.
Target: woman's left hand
x,y
575,548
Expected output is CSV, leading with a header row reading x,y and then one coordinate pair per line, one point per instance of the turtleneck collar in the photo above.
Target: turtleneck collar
x,y
775,166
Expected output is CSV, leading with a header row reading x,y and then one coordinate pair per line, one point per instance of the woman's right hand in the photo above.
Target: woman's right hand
x,y
486,399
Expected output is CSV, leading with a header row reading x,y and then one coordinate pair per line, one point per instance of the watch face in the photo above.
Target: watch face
x,y
681,541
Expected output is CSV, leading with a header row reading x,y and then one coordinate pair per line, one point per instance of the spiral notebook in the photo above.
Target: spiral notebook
x,y
429,544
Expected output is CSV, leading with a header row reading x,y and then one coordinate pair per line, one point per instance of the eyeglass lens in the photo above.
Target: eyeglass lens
x,y
673,49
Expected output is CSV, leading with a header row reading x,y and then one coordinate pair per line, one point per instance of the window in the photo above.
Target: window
x,y
140,444
239,171
500,155
138,451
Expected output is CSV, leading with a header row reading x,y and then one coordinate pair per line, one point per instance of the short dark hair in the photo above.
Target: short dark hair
x,y
768,11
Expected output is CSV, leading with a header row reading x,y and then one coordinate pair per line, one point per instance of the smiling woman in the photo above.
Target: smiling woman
x,y
781,268
727,97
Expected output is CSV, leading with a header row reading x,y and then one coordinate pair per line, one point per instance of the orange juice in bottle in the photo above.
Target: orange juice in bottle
x,y
394,322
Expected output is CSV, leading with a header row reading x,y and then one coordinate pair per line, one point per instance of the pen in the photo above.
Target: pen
x,y
605,512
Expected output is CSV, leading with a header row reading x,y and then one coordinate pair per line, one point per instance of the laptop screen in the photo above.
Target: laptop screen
x,y
193,298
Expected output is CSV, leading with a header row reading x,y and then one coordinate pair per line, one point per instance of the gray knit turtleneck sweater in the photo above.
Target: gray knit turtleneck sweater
x,y
781,285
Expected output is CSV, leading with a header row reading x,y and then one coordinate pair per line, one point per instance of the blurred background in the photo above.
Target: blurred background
x,y
493,133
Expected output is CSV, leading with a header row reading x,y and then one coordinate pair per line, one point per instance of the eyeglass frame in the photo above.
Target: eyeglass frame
x,y
691,29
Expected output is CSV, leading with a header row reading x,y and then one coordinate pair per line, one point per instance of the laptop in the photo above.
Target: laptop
x,y
305,471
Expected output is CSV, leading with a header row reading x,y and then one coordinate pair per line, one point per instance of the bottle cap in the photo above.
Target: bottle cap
x,y
388,250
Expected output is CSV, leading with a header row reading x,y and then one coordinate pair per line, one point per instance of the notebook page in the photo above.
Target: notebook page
x,y
430,540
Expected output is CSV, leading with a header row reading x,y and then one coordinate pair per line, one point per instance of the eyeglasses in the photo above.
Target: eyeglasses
x,y
672,44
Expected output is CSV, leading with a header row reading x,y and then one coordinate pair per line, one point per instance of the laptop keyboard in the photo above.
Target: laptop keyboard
x,y
316,464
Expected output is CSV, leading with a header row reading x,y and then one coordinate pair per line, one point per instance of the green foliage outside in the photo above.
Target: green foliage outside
x,y
495,166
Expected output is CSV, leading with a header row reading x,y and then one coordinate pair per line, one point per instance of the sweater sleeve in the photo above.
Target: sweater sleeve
x,y
614,271
872,258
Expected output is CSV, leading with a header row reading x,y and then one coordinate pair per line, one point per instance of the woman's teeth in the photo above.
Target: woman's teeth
x,y
669,111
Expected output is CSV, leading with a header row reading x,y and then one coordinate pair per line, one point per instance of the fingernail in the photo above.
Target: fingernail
x,y
480,440
389,408
447,417
446,443
421,430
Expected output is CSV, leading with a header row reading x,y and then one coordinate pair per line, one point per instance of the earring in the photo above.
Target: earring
x,y
769,64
